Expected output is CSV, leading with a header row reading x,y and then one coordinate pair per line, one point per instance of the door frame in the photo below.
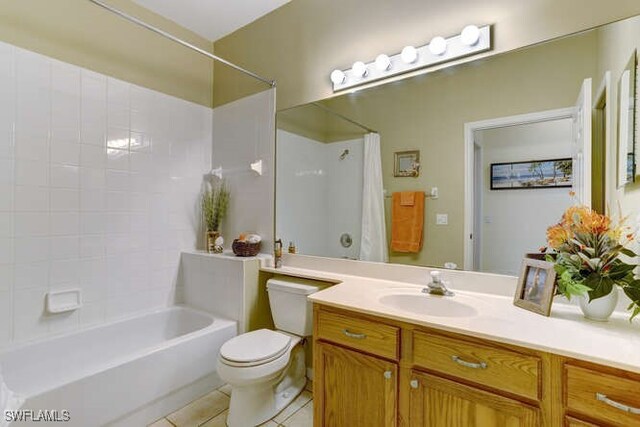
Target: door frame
x,y
469,169
602,115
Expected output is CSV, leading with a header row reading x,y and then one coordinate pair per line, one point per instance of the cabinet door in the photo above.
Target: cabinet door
x,y
436,402
353,389
574,422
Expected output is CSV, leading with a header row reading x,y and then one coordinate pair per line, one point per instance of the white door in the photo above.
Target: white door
x,y
581,152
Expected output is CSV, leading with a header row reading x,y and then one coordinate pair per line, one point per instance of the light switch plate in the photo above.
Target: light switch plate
x,y
442,219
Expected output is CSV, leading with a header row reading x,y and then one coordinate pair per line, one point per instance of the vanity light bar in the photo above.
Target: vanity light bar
x,y
471,41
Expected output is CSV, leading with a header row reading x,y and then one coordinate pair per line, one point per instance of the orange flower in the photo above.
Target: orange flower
x,y
595,223
574,215
557,236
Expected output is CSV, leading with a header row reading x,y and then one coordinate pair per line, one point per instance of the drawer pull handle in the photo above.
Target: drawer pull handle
x,y
414,383
354,335
466,364
626,408
387,374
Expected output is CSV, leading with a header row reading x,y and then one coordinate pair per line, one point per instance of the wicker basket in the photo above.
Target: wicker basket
x,y
245,249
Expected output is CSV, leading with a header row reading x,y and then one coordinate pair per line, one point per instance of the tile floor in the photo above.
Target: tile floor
x,y
211,411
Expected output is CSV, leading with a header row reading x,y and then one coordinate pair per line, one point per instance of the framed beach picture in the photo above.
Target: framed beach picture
x,y
554,173
536,286
406,163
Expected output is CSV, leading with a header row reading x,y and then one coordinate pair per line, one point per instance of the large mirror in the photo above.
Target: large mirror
x,y
627,122
464,167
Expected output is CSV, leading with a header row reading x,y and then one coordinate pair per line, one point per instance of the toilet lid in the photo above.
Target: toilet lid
x,y
255,346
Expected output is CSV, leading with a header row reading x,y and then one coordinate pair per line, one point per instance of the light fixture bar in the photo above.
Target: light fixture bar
x,y
455,49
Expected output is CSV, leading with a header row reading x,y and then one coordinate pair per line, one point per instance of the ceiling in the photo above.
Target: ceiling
x,y
212,19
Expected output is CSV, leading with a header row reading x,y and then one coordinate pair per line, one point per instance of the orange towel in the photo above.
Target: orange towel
x,y
407,221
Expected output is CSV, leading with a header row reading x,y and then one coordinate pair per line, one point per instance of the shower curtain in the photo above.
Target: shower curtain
x,y
373,240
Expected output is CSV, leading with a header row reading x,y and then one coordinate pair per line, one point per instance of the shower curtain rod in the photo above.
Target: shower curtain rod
x,y
163,33
353,122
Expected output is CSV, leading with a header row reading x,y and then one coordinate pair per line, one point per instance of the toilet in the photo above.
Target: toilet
x,y
266,368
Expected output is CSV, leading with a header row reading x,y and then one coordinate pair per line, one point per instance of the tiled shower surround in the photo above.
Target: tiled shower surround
x,y
99,184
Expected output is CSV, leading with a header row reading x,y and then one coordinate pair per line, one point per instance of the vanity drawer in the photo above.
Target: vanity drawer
x,y
360,334
608,398
494,367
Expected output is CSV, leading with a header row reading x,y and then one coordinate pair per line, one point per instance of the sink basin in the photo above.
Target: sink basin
x,y
416,302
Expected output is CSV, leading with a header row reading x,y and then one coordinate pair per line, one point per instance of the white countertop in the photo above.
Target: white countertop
x,y
566,332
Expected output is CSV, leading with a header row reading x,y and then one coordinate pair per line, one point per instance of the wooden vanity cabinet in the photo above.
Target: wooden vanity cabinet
x,y
370,371
439,402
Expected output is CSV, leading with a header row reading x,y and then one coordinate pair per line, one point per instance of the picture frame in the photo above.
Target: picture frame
x,y
532,174
536,286
406,163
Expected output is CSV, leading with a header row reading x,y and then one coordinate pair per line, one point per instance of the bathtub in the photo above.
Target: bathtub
x,y
126,373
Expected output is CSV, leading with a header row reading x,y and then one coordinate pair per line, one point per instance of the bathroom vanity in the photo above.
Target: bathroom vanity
x,y
404,374
387,354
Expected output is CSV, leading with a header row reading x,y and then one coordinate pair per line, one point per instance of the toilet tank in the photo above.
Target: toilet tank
x,y
290,309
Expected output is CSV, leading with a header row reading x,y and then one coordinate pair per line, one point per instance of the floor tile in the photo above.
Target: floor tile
x,y
217,421
221,421
302,418
297,403
161,423
200,411
226,389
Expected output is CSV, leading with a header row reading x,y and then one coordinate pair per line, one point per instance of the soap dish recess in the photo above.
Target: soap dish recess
x,y
64,301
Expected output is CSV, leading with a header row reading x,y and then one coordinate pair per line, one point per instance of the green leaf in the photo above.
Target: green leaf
x,y
600,286
628,252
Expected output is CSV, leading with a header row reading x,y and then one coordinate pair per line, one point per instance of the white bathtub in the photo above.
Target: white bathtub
x,y
126,373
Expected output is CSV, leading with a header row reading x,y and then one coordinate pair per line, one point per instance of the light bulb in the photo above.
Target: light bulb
x,y
359,69
409,54
337,77
470,35
438,46
383,63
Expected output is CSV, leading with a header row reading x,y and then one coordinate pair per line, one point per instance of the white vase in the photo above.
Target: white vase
x,y
599,309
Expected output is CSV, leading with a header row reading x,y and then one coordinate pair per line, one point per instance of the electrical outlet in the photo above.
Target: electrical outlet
x,y
442,219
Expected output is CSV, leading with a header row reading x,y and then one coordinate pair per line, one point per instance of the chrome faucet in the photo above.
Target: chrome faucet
x,y
437,286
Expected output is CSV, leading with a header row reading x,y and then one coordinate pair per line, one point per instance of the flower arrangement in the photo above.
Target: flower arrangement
x,y
589,250
215,202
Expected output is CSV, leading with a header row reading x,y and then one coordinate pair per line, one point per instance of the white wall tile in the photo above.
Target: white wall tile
x,y
6,323
92,179
64,223
65,247
94,174
6,201
6,224
66,152
31,275
93,156
30,198
6,172
64,200
29,172
65,176
31,224
6,277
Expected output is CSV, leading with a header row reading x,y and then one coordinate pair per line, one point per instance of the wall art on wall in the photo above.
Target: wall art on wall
x,y
554,173
407,163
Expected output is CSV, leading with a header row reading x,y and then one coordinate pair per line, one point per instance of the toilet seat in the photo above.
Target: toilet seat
x,y
255,348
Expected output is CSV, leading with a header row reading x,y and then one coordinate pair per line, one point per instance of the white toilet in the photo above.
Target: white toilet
x,y
265,368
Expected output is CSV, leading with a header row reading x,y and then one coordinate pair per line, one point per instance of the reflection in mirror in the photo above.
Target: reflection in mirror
x,y
627,123
528,110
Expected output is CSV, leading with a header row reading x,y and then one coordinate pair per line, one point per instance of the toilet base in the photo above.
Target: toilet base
x,y
258,403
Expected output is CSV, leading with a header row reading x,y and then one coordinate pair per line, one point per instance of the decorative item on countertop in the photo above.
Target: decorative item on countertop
x,y
536,286
248,244
292,248
277,253
215,202
589,252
